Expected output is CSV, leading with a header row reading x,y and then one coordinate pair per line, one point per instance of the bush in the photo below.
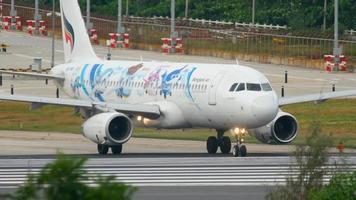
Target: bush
x,y
341,186
65,179
311,160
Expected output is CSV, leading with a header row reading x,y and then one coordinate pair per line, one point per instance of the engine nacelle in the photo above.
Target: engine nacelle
x,y
110,128
282,130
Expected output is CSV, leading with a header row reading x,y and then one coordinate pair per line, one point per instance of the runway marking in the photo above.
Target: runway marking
x,y
178,175
30,57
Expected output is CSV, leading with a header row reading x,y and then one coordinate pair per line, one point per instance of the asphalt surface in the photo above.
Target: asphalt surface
x,y
161,169
180,177
189,193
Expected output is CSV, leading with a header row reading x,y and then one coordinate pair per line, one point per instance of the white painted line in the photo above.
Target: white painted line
x,y
30,57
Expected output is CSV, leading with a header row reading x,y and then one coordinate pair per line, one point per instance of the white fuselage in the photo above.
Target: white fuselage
x,y
189,95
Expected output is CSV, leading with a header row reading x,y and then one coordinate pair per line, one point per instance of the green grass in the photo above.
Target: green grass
x,y
337,117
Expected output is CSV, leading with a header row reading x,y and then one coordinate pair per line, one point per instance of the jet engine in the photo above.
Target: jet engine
x,y
282,130
110,128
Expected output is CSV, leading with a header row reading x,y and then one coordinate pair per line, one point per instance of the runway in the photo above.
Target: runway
x,y
164,173
199,171
161,169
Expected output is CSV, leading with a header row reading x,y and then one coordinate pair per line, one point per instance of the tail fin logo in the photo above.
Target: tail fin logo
x,y
68,33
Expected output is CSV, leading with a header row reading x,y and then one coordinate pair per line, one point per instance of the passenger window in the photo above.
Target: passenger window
x,y
253,87
241,87
266,87
233,87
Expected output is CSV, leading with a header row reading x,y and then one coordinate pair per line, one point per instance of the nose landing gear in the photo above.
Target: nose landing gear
x,y
239,149
213,143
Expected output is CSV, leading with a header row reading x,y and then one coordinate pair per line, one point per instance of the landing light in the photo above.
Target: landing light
x,y
139,118
238,131
146,121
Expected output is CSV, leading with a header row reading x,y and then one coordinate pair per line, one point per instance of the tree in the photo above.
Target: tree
x,y
298,14
65,179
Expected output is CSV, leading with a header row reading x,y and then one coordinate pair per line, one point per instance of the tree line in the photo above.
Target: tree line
x,y
297,14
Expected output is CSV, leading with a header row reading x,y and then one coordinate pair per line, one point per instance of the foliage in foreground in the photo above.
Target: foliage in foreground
x,y
65,179
310,161
341,186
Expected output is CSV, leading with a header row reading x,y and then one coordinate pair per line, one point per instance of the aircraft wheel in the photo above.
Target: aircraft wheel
x,y
235,150
243,151
225,145
117,149
103,149
212,145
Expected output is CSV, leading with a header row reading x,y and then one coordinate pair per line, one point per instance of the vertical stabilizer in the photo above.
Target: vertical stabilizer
x,y
76,42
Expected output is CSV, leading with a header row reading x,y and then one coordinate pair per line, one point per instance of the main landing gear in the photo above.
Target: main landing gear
x,y
213,143
104,149
224,143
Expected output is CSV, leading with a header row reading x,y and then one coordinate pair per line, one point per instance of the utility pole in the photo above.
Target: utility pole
x,y
53,26
88,24
253,11
186,8
13,12
37,16
173,32
324,21
127,8
120,29
337,50
1,14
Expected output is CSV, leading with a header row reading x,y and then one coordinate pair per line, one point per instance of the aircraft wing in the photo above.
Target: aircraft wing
x,y
36,75
316,97
145,110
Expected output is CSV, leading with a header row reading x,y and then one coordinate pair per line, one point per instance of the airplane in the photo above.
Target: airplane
x,y
115,96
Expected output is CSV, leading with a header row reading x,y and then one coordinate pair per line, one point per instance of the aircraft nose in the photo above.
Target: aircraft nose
x,y
265,108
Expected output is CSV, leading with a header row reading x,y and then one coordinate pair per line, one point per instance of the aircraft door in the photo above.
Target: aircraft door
x,y
213,89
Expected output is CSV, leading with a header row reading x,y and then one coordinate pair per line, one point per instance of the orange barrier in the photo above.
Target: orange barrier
x,y
172,45
93,34
43,28
13,23
331,64
6,22
117,39
165,46
31,27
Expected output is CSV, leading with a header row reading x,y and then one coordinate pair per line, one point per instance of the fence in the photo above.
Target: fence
x,y
249,44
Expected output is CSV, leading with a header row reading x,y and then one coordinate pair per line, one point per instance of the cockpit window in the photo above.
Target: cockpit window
x,y
266,87
241,87
232,88
253,87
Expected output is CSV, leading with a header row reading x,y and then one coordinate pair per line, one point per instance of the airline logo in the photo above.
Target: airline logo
x,y
68,33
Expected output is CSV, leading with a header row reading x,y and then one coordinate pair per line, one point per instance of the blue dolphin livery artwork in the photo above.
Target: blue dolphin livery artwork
x,y
167,79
